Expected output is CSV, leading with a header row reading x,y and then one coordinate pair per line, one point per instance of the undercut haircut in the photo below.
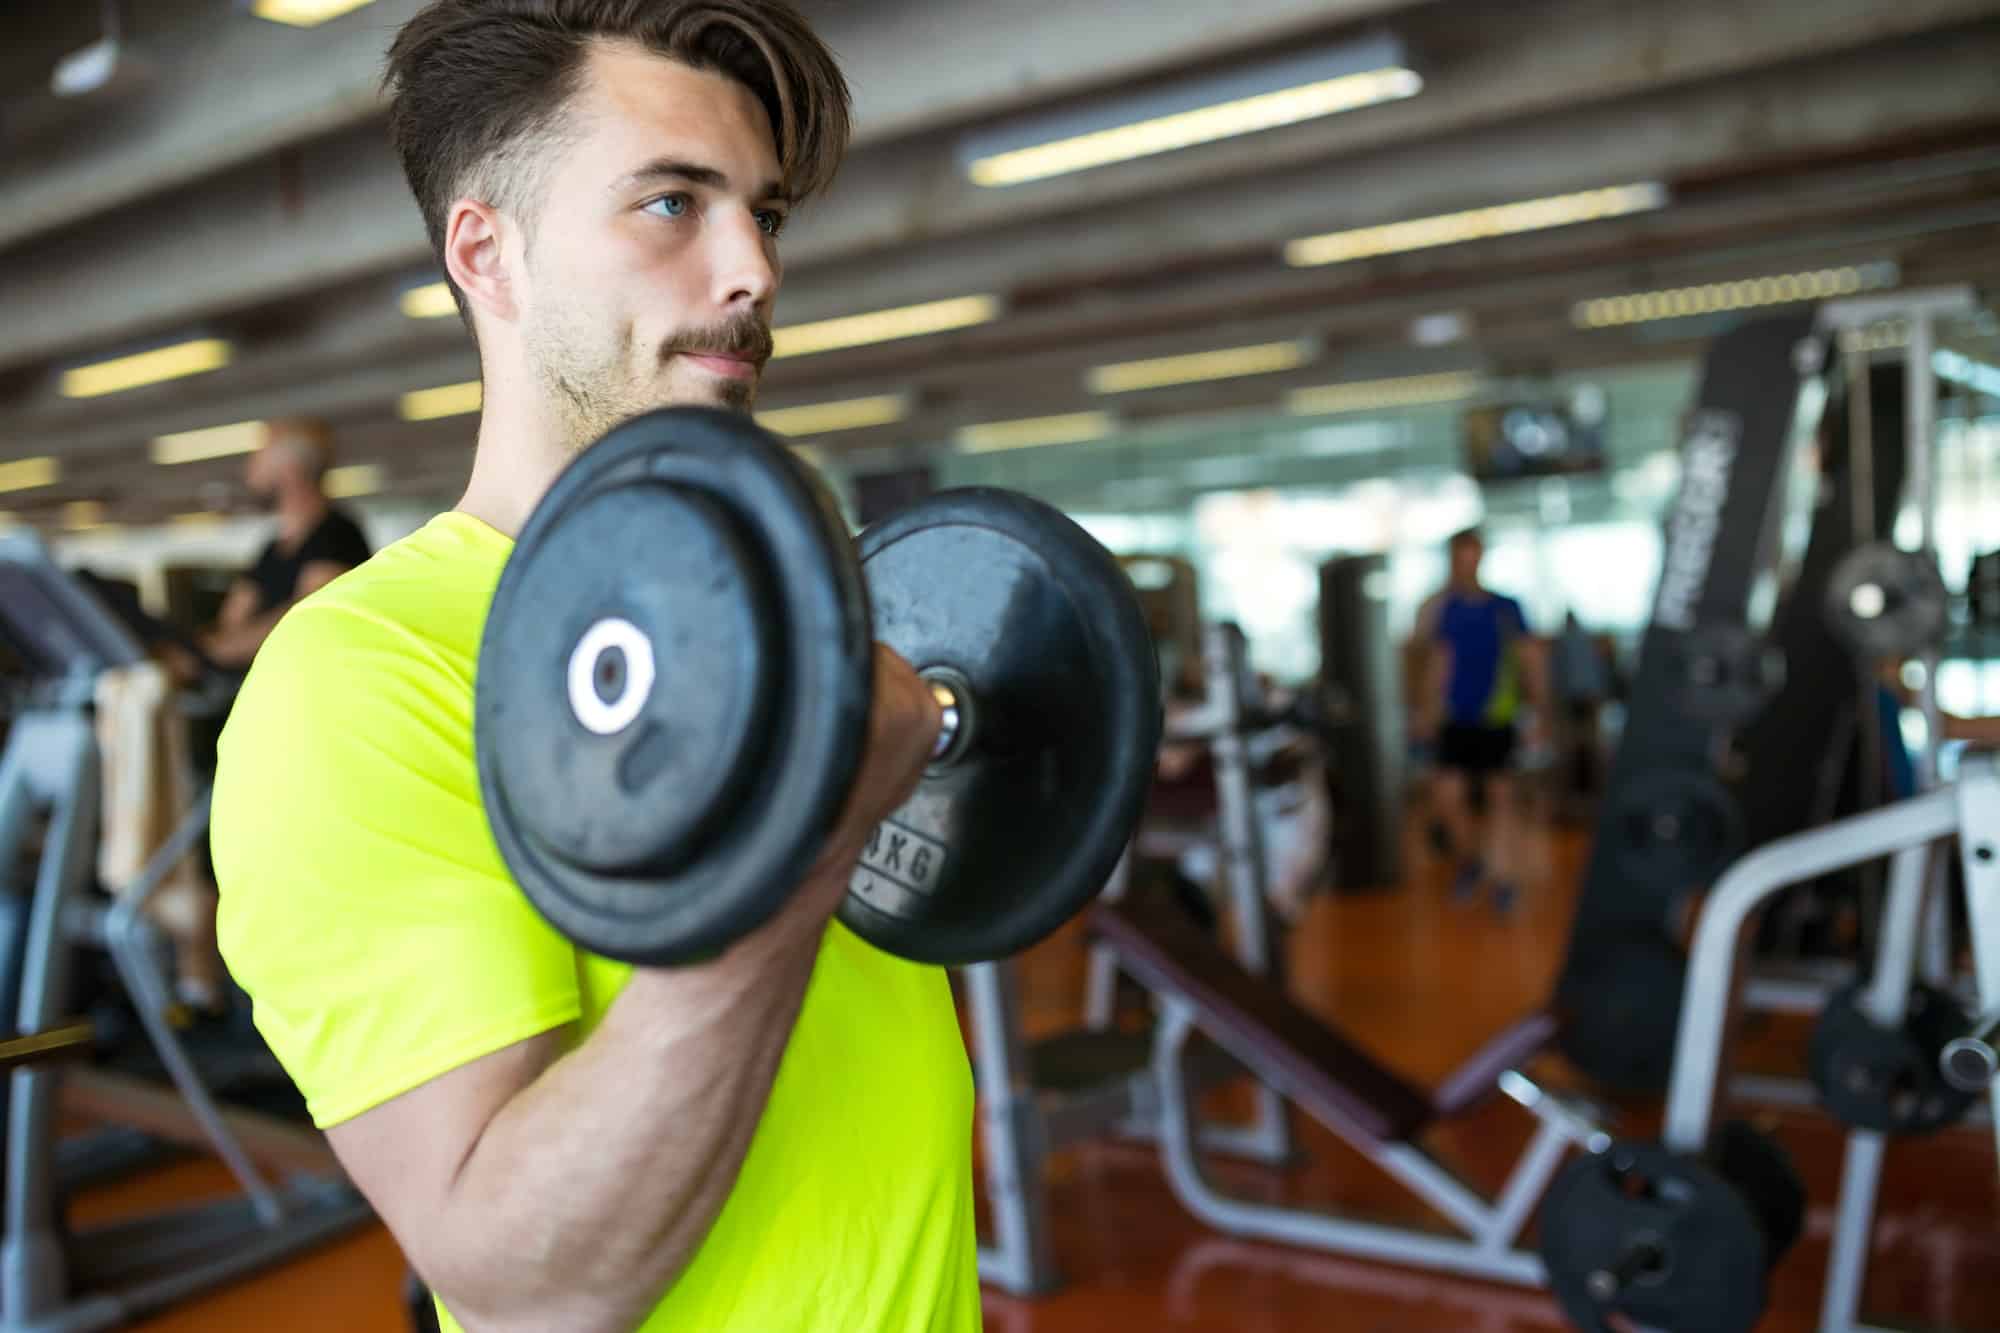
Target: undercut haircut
x,y
479,90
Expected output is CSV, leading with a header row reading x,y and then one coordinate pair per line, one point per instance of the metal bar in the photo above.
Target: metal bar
x,y
1854,1218
1245,868
1295,1226
1742,889
1979,852
1887,997
1525,1185
1100,986
1022,1257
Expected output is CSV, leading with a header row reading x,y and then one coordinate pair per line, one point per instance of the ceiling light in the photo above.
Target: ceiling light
x,y
1033,432
1559,210
25,474
1160,372
206,518
1286,91
129,372
825,418
356,479
1679,302
1373,395
1974,375
448,400
304,13
910,321
433,300
192,446
82,515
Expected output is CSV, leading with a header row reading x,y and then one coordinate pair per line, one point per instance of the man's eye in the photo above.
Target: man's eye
x,y
771,221
670,205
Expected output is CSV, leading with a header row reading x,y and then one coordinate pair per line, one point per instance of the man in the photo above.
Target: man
x,y
1481,659
315,542
777,1139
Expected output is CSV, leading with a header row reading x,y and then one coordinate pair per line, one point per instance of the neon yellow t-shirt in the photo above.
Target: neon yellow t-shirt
x,y
368,914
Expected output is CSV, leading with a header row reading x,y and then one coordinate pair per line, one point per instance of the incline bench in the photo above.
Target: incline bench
x,y
1374,1110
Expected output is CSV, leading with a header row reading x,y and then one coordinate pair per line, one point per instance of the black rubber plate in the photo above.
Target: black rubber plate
x,y
683,828
994,852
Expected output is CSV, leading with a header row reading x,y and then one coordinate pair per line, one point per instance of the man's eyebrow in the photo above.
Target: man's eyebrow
x,y
694,173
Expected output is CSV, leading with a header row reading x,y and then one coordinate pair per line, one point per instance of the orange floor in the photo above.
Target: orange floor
x,y
1421,982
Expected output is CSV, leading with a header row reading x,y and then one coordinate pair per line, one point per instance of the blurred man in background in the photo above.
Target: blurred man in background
x,y
315,542
1482,661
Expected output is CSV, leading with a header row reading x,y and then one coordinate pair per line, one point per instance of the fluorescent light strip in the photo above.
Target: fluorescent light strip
x,y
356,479
431,301
1229,363
1373,395
1034,432
304,13
82,515
910,321
1224,120
1749,293
447,400
25,474
204,519
1559,210
1975,375
192,446
129,372
826,418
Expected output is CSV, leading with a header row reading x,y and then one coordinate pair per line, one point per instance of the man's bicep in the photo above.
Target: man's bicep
x,y
405,1154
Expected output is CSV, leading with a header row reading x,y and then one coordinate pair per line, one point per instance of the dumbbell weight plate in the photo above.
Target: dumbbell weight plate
x,y
673,687
1887,1078
1660,1239
997,849
1886,602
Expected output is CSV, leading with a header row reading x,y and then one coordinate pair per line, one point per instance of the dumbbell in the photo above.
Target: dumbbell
x,y
674,687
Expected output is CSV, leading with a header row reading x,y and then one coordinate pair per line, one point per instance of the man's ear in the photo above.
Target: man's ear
x,y
475,257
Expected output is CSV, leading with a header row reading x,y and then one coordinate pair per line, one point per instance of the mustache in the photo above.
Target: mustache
x,y
748,339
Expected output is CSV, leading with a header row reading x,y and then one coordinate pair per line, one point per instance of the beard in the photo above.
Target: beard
x,y
593,378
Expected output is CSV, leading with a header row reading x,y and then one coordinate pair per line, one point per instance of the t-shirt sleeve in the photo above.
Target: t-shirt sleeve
x,y
364,905
1513,620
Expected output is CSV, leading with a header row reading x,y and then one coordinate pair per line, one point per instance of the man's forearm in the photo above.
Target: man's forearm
x,y
588,1194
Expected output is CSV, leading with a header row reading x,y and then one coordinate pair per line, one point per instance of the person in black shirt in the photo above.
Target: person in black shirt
x,y
314,545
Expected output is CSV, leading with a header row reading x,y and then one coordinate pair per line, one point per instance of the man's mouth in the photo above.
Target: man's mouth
x,y
730,365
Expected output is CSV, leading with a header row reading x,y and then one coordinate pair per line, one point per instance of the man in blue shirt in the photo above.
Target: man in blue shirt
x,y
1482,660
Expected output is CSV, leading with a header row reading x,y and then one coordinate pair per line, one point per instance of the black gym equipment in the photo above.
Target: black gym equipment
x,y
1891,1078
1671,1241
55,1278
675,682
1667,824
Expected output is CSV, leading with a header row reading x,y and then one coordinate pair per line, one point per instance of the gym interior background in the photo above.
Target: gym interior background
x,y
1272,297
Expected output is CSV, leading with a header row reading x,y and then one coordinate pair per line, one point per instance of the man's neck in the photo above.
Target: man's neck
x,y
518,458
299,512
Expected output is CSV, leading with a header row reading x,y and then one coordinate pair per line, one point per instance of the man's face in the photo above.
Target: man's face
x,y
653,266
1465,557
260,477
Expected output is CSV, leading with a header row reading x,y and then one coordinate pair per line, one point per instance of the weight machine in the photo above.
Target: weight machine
x,y
1036,1098
54,1279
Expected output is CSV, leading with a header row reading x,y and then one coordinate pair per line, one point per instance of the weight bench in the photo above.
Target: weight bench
x,y
1373,1109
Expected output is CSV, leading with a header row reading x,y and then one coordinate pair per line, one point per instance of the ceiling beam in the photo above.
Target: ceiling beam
x,y
233,88
902,225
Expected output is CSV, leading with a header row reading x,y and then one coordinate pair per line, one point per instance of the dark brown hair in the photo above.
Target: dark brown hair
x,y
478,88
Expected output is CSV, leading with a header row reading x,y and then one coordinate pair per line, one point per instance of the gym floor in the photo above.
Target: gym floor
x,y
1422,982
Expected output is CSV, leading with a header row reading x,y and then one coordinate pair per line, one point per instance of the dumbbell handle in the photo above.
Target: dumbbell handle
x,y
1641,1256
953,693
1971,1063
